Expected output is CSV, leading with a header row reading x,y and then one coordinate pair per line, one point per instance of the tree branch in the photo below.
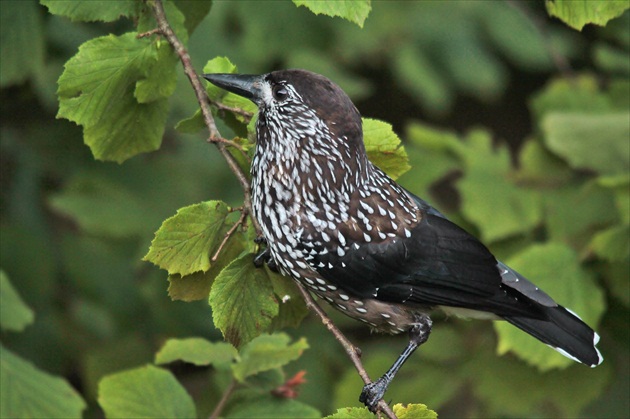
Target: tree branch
x,y
353,352
215,137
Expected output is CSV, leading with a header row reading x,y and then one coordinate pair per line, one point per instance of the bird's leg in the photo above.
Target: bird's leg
x,y
264,256
418,335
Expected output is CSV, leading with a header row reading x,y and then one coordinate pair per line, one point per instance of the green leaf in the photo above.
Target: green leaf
x,y
196,351
243,302
556,269
96,90
351,413
101,206
430,151
147,392
267,406
28,392
184,242
292,306
500,383
571,136
489,198
196,286
21,42
267,352
192,124
384,148
15,315
613,243
578,13
540,167
93,10
355,11
194,11
413,411
565,223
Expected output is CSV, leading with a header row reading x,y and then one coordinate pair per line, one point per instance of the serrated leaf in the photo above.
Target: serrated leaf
x,y
613,243
267,352
572,135
355,11
578,13
292,306
93,10
555,268
28,392
15,315
96,90
267,406
196,351
489,198
192,124
413,411
184,242
148,392
242,300
351,413
21,42
196,286
384,148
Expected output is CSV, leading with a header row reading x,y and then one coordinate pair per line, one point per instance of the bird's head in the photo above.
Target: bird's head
x,y
298,103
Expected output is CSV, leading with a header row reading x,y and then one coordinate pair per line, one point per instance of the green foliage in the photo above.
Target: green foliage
x,y
15,315
355,11
146,392
28,392
578,13
197,351
184,242
20,30
556,204
242,300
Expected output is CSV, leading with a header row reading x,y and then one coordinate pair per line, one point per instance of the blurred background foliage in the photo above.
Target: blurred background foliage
x,y
516,125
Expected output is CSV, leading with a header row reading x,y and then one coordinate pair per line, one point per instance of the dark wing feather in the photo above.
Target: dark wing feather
x,y
440,264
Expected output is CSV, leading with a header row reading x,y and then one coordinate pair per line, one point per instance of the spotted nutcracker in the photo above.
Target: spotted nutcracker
x,y
340,226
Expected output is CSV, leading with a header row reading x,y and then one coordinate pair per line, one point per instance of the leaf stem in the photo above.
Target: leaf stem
x,y
216,413
229,233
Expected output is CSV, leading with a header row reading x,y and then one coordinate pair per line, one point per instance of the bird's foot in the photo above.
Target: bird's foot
x,y
264,256
373,392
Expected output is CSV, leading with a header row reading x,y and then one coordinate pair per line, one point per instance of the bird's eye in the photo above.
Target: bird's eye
x,y
280,92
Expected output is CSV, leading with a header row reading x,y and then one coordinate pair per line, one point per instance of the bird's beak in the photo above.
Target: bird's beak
x,y
246,85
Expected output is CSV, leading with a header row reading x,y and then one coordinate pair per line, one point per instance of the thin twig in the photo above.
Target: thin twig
x,y
353,352
166,30
247,115
224,398
229,233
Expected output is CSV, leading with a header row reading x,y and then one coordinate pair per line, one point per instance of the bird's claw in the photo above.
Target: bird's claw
x,y
264,256
372,393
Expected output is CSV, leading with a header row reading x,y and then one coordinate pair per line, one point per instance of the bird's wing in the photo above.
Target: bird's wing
x,y
439,264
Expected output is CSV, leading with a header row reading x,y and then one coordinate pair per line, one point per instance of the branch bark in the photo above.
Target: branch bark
x,y
215,137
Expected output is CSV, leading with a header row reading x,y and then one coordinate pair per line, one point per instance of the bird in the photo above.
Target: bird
x,y
344,229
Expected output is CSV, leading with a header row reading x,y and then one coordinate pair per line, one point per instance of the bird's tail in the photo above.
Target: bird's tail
x,y
565,332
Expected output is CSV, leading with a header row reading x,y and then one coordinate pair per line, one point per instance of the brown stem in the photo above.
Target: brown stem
x,y
353,352
215,137
224,398
229,233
